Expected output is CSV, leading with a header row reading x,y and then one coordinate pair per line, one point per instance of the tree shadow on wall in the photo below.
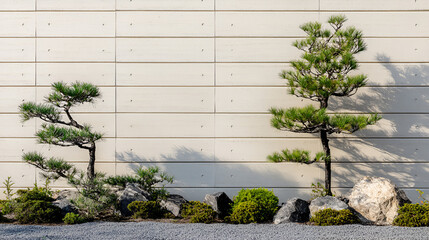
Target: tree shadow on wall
x,y
197,174
393,148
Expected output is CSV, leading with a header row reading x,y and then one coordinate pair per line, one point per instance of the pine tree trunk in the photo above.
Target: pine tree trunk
x,y
91,165
327,150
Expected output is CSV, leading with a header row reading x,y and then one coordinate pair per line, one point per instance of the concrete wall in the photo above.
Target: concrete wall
x,y
187,83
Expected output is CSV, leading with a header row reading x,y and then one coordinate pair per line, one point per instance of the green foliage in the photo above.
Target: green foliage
x,y
329,217
6,206
146,209
37,211
266,201
152,180
318,190
53,167
423,199
65,95
8,186
198,212
95,198
245,213
296,155
67,136
413,215
35,206
73,218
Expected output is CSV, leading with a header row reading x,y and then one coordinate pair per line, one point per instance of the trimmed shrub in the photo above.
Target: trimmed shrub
x,y
146,209
198,212
35,206
5,207
73,218
244,213
266,201
412,215
37,211
329,217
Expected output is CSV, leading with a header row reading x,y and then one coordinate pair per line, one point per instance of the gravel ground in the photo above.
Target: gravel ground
x,y
158,231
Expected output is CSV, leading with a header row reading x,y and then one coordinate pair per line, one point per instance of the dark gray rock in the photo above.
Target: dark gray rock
x,y
220,202
174,204
294,210
322,203
132,192
63,201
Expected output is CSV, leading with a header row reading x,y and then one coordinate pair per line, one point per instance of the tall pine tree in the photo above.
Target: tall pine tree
x,y
322,73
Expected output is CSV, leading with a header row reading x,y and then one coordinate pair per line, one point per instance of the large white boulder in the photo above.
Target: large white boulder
x,y
377,199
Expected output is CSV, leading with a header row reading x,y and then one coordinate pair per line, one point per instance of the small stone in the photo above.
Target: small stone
x,y
294,210
132,192
322,203
174,204
377,200
220,202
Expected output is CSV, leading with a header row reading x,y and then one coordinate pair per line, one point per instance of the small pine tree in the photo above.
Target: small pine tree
x,y
322,73
62,132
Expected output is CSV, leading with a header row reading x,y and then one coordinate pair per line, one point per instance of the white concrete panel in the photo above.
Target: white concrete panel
x,y
154,99
185,174
165,50
105,151
164,150
106,103
165,125
95,73
373,5
256,50
165,74
22,174
249,125
251,24
257,74
12,148
17,24
343,150
101,123
17,73
75,49
267,175
76,5
24,5
17,49
386,24
384,100
12,97
165,5
395,50
281,50
75,24
402,174
254,99
15,127
397,74
266,5
146,24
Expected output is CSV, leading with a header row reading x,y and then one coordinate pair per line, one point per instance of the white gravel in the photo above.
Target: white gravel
x,y
158,231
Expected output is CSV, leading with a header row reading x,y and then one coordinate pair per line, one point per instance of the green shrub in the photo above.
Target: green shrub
x,y
37,193
198,212
412,215
37,211
266,201
5,206
146,209
329,216
244,213
73,218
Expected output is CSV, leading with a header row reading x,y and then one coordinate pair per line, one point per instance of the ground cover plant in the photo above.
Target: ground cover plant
x,y
74,218
198,212
146,209
322,73
329,217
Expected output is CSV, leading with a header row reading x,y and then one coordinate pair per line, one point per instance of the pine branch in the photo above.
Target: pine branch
x,y
297,155
65,96
350,123
55,166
